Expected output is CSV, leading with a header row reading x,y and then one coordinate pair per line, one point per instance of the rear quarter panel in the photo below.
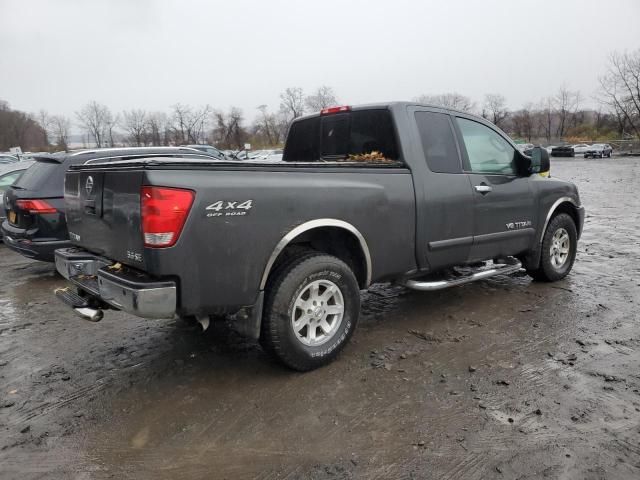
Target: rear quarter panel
x,y
220,259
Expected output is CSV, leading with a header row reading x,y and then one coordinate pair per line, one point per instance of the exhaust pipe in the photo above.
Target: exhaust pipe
x,y
90,314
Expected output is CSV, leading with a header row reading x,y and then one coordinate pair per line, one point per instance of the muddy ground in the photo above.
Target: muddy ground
x,y
505,378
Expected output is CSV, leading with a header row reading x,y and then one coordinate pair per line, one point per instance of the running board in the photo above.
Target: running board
x,y
512,266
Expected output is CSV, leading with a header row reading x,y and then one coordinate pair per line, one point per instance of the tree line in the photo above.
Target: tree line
x,y
561,116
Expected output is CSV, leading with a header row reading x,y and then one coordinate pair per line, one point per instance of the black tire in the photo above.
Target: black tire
x,y
288,283
549,270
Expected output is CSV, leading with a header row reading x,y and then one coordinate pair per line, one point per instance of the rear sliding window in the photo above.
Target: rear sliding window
x,y
341,136
438,142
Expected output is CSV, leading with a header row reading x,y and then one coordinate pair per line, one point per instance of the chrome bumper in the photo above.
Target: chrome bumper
x,y
121,288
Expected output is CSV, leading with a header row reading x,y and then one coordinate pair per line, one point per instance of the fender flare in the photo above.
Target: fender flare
x,y
310,225
550,214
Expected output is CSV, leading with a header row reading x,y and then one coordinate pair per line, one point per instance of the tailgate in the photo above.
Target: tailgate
x,y
103,213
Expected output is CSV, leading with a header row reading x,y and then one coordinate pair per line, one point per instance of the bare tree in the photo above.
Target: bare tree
x,y
60,126
495,109
180,123
620,88
135,125
545,118
98,122
44,120
523,122
566,103
189,124
323,97
229,132
449,100
198,123
266,125
19,129
292,103
158,128
111,122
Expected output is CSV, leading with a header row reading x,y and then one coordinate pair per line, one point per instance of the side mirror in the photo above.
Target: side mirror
x,y
540,161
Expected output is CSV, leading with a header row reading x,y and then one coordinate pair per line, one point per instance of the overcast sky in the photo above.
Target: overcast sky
x,y
58,55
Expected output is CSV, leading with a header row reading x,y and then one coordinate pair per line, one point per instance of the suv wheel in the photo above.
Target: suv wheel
x,y
559,246
311,310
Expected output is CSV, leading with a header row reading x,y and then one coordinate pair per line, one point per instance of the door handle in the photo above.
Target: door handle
x,y
483,189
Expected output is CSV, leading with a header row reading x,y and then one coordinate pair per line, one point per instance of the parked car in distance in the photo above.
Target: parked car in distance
x,y
8,158
523,147
35,223
274,155
563,151
255,154
599,150
208,149
241,155
580,148
9,173
397,192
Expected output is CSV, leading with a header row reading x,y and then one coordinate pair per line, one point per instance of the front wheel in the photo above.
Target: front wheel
x,y
311,310
559,246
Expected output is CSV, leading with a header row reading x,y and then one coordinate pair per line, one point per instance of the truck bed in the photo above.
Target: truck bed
x,y
240,213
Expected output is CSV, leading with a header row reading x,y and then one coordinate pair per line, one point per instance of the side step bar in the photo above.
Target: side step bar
x,y
512,266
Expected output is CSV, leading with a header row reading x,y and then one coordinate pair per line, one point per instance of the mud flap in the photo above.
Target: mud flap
x,y
531,261
248,320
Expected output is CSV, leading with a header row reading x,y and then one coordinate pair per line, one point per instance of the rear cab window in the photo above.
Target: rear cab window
x,y
438,142
356,136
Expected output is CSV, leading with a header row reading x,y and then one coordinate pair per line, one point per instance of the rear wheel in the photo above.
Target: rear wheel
x,y
311,310
559,246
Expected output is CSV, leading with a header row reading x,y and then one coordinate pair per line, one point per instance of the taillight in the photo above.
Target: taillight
x,y
330,110
163,212
35,206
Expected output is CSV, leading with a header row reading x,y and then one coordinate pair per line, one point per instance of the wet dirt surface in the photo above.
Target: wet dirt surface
x,y
504,378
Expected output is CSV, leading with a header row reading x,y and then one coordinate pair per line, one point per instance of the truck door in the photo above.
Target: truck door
x,y
445,211
504,205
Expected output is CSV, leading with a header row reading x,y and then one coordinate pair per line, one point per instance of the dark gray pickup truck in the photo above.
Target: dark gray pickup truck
x,y
418,195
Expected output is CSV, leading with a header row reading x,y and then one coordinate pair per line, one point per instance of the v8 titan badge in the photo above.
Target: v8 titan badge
x,y
229,208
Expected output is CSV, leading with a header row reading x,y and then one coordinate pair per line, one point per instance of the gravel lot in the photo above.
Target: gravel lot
x,y
504,378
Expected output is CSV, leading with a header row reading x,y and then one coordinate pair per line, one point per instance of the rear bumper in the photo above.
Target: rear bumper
x,y
121,288
36,249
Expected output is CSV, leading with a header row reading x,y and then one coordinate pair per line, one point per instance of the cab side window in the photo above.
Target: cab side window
x,y
488,152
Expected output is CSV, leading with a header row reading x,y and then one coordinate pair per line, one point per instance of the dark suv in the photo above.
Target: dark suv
x,y
36,224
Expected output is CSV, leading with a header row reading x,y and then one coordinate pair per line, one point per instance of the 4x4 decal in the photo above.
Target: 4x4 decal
x,y
229,208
